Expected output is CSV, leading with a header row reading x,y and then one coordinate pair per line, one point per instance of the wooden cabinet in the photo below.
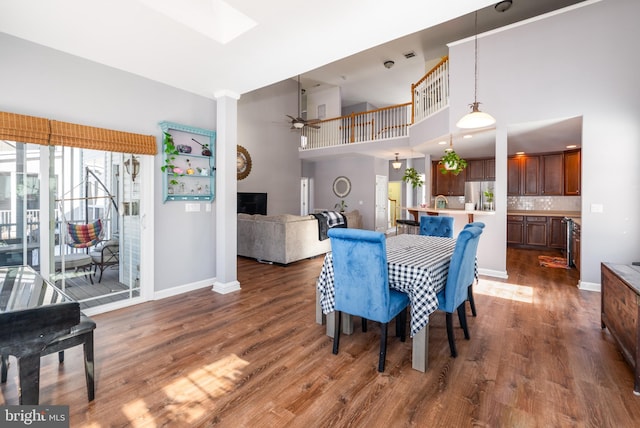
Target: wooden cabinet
x,y
446,184
620,312
552,174
557,233
572,171
523,176
481,169
535,231
515,229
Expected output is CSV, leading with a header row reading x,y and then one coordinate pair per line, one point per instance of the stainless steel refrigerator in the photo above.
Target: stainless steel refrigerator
x,y
480,194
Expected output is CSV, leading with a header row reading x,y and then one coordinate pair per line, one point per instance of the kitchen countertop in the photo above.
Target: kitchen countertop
x,y
572,214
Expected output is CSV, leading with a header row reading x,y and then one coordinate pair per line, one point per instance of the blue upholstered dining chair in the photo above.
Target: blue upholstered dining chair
x,y
461,274
361,282
472,302
436,226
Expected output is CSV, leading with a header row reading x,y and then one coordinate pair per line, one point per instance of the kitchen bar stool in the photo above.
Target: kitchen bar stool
x,y
407,226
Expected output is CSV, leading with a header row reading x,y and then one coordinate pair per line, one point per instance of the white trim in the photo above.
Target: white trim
x,y
113,306
494,273
589,286
181,289
229,287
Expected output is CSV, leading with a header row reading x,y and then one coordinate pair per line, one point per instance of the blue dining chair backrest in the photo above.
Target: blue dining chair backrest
x,y
436,226
475,224
461,270
361,276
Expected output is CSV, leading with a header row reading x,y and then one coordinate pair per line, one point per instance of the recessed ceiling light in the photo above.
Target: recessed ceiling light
x,y
519,153
442,143
571,146
468,136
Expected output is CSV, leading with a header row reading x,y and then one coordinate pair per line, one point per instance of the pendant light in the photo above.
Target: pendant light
x,y
396,164
475,119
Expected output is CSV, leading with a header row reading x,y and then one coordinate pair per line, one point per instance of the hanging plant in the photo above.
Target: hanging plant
x,y
171,151
412,177
452,162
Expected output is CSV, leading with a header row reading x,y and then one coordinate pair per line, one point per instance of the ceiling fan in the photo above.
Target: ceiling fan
x,y
299,122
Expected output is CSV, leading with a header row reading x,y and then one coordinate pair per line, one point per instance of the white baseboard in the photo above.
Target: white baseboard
x,y
494,273
589,286
174,291
224,288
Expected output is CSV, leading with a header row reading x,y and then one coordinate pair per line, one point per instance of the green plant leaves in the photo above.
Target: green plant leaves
x,y
411,176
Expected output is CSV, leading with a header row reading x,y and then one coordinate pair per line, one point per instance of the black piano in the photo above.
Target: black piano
x,y
33,312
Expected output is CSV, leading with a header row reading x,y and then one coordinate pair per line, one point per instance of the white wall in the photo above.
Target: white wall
x,y
331,99
263,129
43,82
583,62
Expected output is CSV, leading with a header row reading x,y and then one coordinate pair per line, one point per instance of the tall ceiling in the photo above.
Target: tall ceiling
x,y
199,45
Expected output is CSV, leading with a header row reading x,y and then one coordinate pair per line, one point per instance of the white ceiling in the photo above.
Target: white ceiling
x,y
335,42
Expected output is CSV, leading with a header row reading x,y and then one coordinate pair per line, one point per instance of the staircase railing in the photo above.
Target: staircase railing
x,y
429,95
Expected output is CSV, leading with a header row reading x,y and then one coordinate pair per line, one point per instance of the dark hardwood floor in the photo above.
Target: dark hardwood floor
x,y
255,358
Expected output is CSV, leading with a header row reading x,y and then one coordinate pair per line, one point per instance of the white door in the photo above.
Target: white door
x,y
382,191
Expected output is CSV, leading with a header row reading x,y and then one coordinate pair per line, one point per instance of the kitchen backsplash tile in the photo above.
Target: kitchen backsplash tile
x,y
542,203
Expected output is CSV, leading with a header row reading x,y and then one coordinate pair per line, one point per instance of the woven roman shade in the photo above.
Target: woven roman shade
x,y
25,129
87,137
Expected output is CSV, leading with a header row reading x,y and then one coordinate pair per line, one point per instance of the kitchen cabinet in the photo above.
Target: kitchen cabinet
x,y
575,245
557,233
572,165
552,174
515,229
535,228
446,184
536,231
523,176
481,169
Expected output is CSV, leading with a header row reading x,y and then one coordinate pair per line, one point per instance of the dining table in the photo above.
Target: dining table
x,y
418,265
33,313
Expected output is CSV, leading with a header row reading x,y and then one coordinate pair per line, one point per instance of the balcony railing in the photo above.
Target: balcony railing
x,y
429,95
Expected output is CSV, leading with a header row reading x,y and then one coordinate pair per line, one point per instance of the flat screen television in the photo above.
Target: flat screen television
x,y
252,203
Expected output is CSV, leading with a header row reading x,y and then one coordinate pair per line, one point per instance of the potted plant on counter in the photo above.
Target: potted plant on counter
x,y
488,199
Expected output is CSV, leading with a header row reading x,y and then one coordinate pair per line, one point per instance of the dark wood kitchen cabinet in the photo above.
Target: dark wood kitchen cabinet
x,y
523,176
481,169
552,174
572,164
447,184
536,231
557,233
515,229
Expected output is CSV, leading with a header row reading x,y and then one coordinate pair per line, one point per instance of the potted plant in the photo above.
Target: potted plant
x,y
412,177
488,201
452,162
171,151
341,206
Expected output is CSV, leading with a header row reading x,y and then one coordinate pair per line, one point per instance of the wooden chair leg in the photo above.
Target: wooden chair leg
x,y
472,303
336,332
401,325
61,357
364,325
450,336
383,346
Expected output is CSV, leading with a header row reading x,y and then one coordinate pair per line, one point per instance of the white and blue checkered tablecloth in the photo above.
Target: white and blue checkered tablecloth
x,y
418,266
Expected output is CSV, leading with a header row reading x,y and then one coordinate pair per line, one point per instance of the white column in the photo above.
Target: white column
x,y
226,191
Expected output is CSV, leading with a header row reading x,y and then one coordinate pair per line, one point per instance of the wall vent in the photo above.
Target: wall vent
x,y
409,55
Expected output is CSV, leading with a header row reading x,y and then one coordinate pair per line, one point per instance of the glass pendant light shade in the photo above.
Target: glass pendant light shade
x,y
396,164
475,119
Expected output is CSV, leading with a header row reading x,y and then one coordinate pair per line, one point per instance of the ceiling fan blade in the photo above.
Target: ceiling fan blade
x,y
290,117
310,125
314,120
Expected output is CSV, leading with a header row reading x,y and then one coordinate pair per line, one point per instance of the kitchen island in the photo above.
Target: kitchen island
x,y
416,211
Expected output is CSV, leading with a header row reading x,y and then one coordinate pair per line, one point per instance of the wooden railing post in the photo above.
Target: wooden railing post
x,y
353,127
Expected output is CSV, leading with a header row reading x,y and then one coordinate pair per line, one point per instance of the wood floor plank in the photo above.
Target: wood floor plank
x,y
537,358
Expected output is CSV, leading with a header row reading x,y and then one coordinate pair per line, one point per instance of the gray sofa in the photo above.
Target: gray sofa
x,y
283,238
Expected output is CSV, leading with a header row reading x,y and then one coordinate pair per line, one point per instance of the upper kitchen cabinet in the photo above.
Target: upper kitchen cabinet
x,y
481,169
572,173
552,174
523,176
446,184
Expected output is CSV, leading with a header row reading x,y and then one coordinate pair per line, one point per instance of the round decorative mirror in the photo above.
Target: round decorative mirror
x,y
341,186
